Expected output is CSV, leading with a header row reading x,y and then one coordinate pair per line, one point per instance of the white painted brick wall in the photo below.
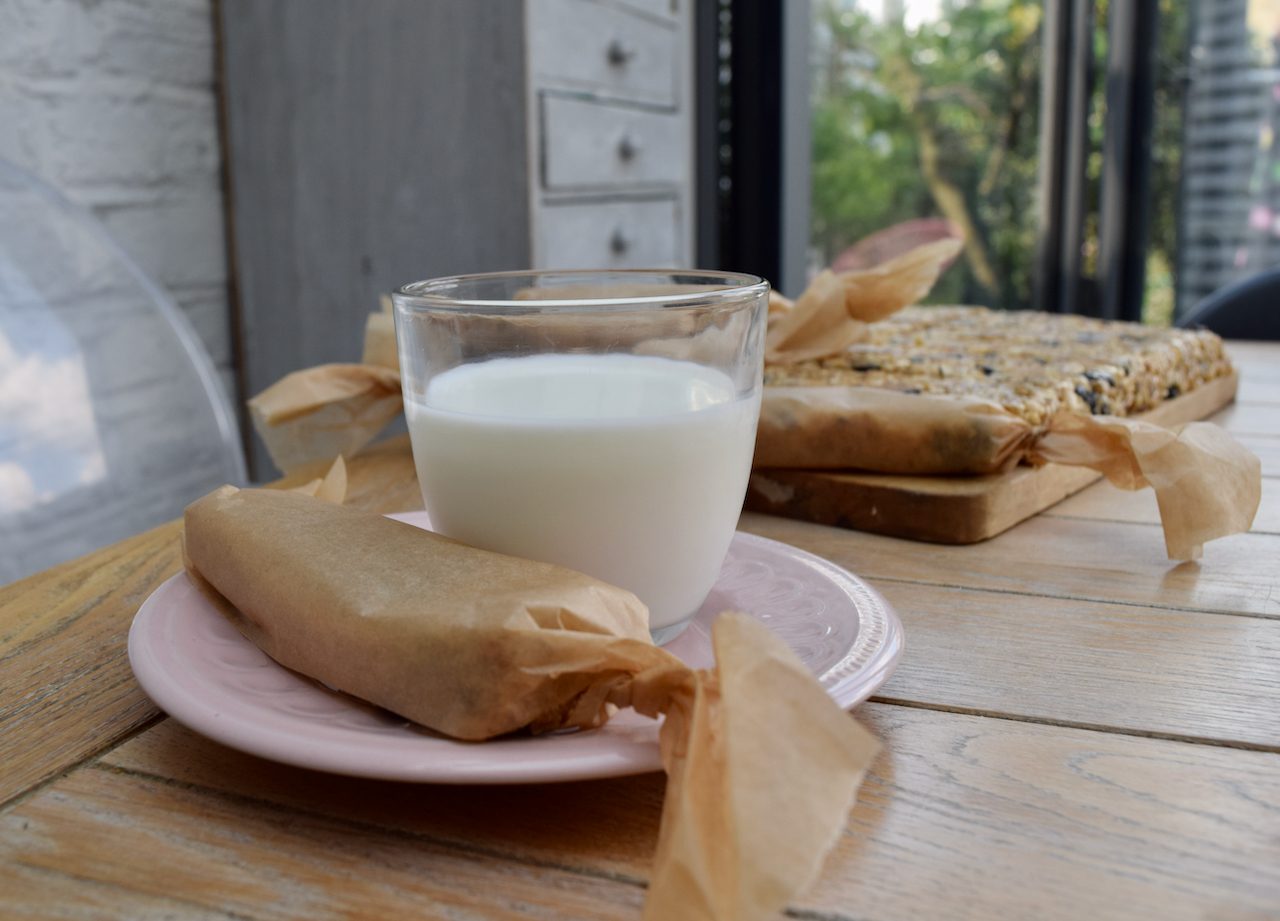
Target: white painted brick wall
x,y
112,102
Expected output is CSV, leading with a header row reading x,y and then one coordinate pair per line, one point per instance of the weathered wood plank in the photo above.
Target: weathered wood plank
x,y
1104,502
31,892
1262,385
1122,667
1060,557
1248,352
951,510
961,817
600,826
67,686
238,856
971,818
1267,450
1249,419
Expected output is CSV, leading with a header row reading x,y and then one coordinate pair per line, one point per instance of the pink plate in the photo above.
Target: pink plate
x,y
199,669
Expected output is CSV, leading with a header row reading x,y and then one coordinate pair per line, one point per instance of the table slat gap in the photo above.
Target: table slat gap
x,y
356,825
1122,563
1075,724
1085,599
1146,524
87,761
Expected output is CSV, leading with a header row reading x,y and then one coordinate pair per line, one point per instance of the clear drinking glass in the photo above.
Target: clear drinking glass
x,y
602,421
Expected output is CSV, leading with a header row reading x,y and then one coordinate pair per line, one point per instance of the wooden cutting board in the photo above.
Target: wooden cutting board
x,y
949,510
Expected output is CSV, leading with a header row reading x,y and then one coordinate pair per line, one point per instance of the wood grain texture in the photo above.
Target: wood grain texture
x,y
1246,351
1130,669
960,817
220,853
972,818
66,689
946,509
1267,450
1060,558
1259,367
370,145
600,826
46,895
1263,385
1244,419
1104,502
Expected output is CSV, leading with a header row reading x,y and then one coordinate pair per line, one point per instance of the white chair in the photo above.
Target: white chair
x,y
112,417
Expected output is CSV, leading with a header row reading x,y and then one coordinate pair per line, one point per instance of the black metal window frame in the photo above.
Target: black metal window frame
x,y
1066,88
754,137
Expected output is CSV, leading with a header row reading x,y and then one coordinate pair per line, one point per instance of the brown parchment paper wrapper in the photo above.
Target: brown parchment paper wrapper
x,y
332,487
319,413
886,431
762,766
834,310
1207,484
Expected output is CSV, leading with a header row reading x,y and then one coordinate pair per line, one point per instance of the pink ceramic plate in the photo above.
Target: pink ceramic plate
x,y
199,669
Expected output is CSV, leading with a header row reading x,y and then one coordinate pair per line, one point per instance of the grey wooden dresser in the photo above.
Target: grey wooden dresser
x,y
611,139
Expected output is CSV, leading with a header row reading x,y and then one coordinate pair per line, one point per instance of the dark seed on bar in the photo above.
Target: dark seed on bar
x,y
1089,397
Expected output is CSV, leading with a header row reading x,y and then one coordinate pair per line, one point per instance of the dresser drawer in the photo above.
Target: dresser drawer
x,y
588,143
601,49
666,9
609,235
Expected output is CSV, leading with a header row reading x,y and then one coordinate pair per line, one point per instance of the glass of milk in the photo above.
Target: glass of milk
x,y
603,421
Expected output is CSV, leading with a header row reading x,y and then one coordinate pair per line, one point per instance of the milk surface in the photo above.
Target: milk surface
x,y
629,468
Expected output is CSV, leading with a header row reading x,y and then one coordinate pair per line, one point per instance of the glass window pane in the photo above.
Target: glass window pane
x,y
926,123
1231,185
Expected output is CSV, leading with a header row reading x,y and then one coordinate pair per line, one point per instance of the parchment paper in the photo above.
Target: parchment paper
x,y
1207,484
762,765
835,309
319,413
332,487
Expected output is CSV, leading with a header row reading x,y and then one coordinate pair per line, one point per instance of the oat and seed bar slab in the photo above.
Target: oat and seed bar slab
x,y
1033,364
993,376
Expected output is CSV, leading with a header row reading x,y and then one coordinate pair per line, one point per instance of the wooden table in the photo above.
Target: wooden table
x,y
1080,728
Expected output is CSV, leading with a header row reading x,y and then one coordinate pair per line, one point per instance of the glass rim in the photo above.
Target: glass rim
x,y
418,294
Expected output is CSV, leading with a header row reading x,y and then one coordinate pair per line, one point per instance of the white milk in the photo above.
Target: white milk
x,y
629,468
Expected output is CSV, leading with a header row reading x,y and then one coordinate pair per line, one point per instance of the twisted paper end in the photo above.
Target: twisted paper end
x,y
762,769
1207,484
319,413
834,310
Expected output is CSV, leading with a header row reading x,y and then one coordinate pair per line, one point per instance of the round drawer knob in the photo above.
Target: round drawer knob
x,y
620,242
619,52
628,146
